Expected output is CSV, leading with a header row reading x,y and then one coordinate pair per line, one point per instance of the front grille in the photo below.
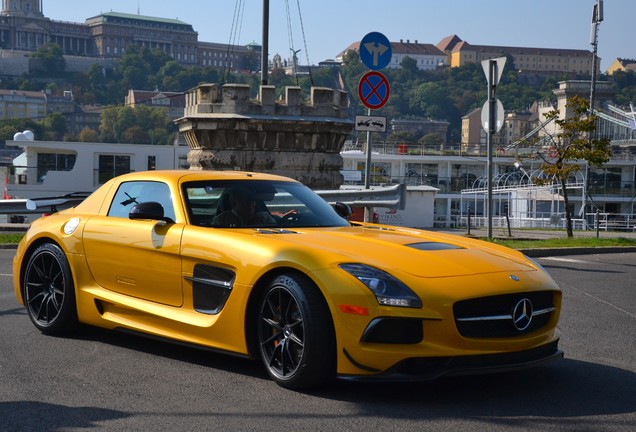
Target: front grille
x,y
492,317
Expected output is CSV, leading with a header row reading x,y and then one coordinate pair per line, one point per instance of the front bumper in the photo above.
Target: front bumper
x,y
430,368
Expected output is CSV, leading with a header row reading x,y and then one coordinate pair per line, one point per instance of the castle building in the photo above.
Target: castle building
x,y
23,27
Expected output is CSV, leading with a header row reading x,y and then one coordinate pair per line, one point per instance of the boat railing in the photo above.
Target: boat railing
x,y
398,148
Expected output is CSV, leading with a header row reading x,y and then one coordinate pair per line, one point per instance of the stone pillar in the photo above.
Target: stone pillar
x,y
225,129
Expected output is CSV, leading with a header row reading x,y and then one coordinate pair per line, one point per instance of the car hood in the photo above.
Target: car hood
x,y
421,253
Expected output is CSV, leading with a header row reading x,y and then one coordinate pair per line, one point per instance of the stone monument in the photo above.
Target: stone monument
x,y
226,130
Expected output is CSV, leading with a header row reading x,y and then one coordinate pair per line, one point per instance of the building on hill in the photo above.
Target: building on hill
x,y
23,27
113,32
16,104
454,52
427,56
531,60
622,65
172,102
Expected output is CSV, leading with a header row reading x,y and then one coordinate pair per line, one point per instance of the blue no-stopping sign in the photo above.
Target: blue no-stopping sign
x,y
374,90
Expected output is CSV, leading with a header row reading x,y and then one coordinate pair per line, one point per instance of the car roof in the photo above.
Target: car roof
x,y
192,175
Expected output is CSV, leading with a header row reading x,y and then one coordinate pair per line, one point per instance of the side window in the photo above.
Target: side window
x,y
131,193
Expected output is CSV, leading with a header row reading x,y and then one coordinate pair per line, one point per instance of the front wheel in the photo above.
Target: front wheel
x,y
295,333
48,290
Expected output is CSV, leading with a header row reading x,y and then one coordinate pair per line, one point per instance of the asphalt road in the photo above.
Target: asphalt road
x,y
115,382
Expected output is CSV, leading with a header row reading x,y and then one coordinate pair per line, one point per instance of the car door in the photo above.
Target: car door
x,y
139,258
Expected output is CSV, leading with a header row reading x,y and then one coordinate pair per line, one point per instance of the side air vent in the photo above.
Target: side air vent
x,y
211,287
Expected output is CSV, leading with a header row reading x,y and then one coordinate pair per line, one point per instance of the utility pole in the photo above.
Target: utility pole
x,y
265,49
597,17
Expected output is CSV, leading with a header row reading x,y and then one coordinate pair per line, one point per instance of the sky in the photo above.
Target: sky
x,y
330,26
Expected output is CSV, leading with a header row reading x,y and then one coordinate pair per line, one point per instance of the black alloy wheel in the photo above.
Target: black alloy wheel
x,y
48,290
295,333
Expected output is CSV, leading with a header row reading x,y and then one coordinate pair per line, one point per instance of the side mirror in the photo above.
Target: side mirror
x,y
343,210
147,210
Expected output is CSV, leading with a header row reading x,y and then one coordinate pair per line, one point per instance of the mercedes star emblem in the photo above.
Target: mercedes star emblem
x,y
522,314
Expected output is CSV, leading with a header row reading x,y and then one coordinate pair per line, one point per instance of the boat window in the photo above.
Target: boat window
x,y
111,166
54,162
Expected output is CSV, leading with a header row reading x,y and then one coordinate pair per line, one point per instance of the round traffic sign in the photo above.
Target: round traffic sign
x,y
498,121
374,90
375,51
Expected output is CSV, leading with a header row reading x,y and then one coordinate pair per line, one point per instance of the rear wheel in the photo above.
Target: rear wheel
x,y
295,333
48,290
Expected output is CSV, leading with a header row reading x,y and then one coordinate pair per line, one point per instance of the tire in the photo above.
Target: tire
x,y
295,333
48,291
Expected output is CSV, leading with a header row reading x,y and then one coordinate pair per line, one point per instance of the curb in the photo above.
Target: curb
x,y
542,253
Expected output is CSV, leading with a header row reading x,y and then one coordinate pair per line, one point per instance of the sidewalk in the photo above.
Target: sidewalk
x,y
538,234
535,234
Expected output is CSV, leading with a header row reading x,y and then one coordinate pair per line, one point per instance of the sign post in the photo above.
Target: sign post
x,y
493,69
374,91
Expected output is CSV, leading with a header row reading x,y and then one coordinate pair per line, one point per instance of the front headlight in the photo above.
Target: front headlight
x,y
388,290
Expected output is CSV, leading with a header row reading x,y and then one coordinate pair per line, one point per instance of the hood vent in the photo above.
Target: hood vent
x,y
433,246
275,231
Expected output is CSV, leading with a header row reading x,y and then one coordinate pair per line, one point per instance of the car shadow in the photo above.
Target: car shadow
x,y
564,389
47,417
174,350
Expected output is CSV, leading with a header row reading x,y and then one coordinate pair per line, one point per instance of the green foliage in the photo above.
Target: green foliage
x,y
625,86
52,58
139,125
573,142
567,242
88,135
55,125
444,94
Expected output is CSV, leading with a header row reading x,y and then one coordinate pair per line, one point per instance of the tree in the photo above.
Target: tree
x,y
409,64
56,126
139,125
88,135
574,142
134,70
52,58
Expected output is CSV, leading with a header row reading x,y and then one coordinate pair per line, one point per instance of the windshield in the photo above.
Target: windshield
x,y
257,204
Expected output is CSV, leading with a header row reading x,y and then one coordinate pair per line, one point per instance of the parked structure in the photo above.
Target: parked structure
x,y
53,168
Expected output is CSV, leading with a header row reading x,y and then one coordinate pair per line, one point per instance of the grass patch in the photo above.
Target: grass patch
x,y
564,242
10,238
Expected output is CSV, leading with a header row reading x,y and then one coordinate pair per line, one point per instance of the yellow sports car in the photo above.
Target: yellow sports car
x,y
260,266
